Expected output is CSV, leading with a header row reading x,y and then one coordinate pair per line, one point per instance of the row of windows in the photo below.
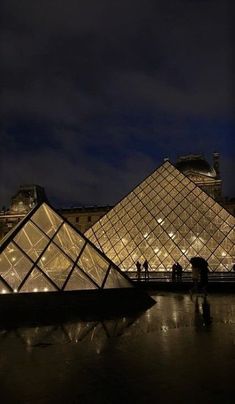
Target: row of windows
x,y
77,219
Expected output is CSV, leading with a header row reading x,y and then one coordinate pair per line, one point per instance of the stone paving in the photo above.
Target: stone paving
x,y
181,350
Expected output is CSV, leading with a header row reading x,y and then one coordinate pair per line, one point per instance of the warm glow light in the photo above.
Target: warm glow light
x,y
159,220
145,235
183,250
43,258
223,254
15,290
13,259
12,273
156,250
35,290
4,291
45,289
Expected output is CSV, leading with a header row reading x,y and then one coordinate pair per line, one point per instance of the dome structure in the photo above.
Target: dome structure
x,y
206,176
195,164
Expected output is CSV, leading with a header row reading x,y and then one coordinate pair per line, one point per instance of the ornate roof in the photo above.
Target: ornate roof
x,y
195,164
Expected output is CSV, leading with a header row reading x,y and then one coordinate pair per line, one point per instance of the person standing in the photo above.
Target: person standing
x,y
138,268
179,270
146,270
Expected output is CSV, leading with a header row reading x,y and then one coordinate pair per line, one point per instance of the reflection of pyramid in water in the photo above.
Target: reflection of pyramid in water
x,y
167,218
45,253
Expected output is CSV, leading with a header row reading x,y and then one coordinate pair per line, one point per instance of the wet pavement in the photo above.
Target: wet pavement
x,y
180,350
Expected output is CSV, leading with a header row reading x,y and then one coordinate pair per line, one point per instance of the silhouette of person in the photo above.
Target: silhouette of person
x,y
146,269
174,271
138,267
179,270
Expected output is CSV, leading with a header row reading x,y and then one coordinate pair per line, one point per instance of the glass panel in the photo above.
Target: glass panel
x,y
93,264
128,264
223,214
90,235
218,236
79,281
31,240
227,245
55,264
69,241
37,282
14,265
47,220
113,256
116,280
231,220
163,238
214,263
123,254
220,253
225,228
107,245
119,246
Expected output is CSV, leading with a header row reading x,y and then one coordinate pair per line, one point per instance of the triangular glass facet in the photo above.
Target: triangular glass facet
x,y
31,240
55,264
14,266
69,241
93,264
79,281
4,288
37,282
115,279
167,218
47,219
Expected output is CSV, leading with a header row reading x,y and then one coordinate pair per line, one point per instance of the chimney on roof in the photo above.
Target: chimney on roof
x,y
216,163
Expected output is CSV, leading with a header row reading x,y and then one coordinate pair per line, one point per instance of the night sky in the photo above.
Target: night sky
x,y
96,93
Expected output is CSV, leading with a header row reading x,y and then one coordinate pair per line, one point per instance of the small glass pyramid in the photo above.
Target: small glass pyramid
x,y
165,219
45,253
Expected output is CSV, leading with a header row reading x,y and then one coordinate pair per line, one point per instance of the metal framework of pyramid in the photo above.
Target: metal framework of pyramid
x,y
45,253
165,219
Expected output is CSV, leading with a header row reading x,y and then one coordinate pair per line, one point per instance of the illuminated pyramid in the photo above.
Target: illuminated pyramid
x,y
45,253
165,219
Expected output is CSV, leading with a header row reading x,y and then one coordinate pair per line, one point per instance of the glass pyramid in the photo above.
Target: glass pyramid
x,y
45,253
165,219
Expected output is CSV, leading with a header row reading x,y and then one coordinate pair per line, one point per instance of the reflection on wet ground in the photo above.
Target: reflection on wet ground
x,y
172,340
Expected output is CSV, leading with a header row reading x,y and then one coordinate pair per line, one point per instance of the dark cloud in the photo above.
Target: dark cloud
x,y
96,93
